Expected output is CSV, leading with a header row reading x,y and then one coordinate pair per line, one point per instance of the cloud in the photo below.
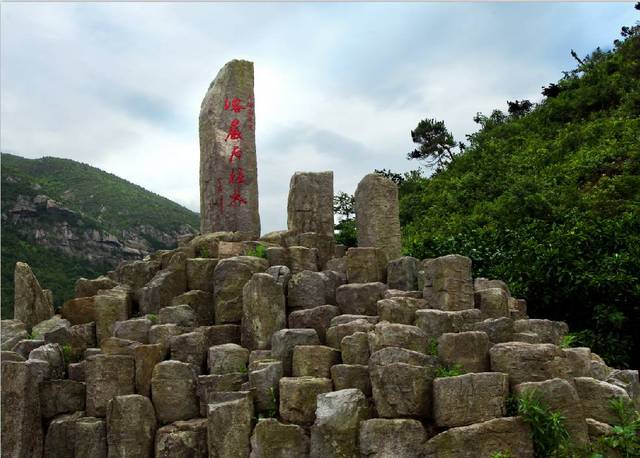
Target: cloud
x,y
338,86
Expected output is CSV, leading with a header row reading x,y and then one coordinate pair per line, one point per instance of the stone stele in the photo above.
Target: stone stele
x,y
228,169
378,215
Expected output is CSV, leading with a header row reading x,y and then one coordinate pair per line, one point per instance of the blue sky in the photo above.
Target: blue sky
x,y
338,86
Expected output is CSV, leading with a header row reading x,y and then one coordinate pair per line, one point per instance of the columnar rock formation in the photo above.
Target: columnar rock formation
x,y
228,168
32,303
377,215
265,363
310,206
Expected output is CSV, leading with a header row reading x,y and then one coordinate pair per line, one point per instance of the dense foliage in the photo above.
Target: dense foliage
x,y
101,201
547,197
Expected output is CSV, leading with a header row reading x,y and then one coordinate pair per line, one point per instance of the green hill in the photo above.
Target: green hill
x,y
549,201
68,219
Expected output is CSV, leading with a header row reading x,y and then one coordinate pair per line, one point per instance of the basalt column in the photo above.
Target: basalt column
x,y
228,169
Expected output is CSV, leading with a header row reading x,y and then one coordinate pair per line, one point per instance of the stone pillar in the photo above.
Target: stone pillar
x,y
32,304
228,168
310,205
378,215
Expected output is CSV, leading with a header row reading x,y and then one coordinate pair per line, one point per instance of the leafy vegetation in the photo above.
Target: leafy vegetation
x,y
549,434
343,207
100,201
547,198
259,252
625,437
453,371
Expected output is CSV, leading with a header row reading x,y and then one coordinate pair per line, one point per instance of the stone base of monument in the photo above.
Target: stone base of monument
x,y
271,356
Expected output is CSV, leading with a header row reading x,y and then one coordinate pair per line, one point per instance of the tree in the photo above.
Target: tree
x,y
344,209
395,177
437,146
519,108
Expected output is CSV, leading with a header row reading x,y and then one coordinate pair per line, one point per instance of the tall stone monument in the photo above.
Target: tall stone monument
x,y
378,215
228,168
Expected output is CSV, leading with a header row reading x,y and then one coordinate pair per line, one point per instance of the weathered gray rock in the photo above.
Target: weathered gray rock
x,y
162,333
229,428
278,256
24,347
189,348
210,387
12,332
31,303
107,376
337,264
469,350
336,334
402,273
525,362
448,285
134,329
146,357
469,398
263,311
596,396
229,278
400,310
355,348
335,430
200,273
116,346
549,331
201,302
509,435
136,274
61,396
173,391
351,376
12,356
317,318
360,298
22,434
366,265
131,427
346,318
492,302
44,327
59,441
629,380
387,334
227,358
228,165
180,315
272,439
560,396
481,283
53,355
284,341
394,293
401,382
378,215
332,280
281,274
162,288
182,439
386,438
310,205
498,329
437,322
85,287
90,437
220,334
306,290
302,258
298,398
110,306
264,384
314,360
322,243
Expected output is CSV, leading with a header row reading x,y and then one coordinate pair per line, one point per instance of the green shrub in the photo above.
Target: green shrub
x,y
453,371
259,252
625,437
153,318
549,434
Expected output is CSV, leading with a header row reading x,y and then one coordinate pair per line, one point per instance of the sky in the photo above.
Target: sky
x,y
338,86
